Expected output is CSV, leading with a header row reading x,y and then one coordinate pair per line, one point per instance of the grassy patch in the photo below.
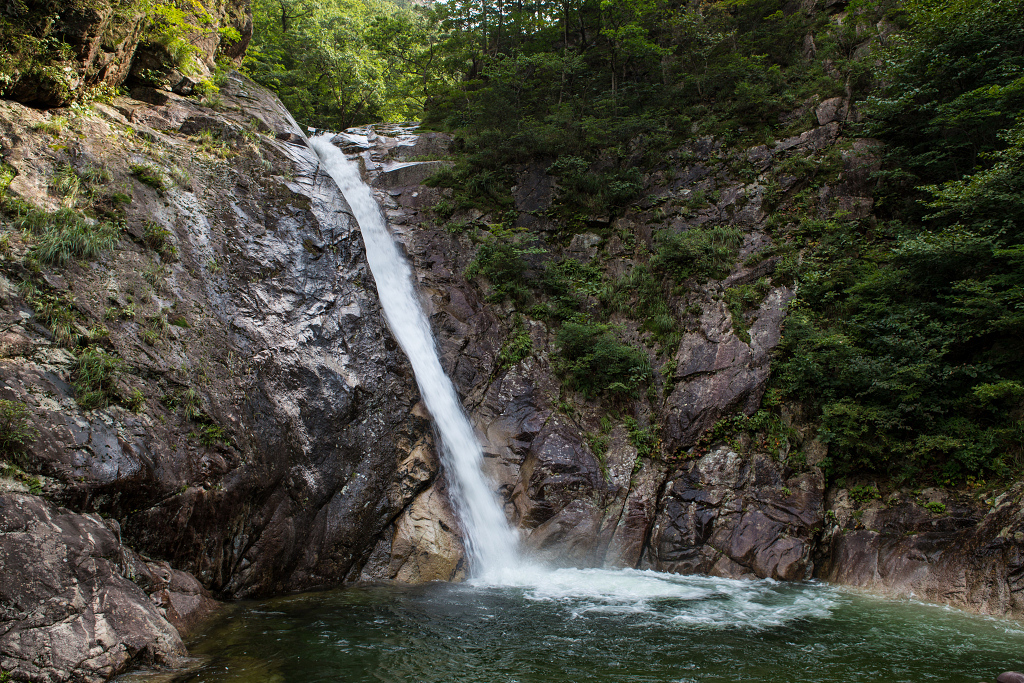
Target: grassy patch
x,y
741,299
64,235
698,252
94,376
54,126
148,174
155,237
516,347
16,431
593,361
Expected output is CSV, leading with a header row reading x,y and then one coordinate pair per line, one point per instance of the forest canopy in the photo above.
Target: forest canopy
x,y
906,339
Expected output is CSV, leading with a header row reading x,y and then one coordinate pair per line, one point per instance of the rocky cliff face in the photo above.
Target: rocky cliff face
x,y
744,509
220,410
53,53
220,382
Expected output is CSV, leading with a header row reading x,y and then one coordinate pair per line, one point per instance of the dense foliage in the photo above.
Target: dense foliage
x,y
905,341
908,337
341,63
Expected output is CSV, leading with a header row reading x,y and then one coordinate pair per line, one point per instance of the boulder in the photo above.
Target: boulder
x,y
71,599
832,110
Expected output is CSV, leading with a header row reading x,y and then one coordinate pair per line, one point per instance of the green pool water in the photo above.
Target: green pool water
x,y
599,625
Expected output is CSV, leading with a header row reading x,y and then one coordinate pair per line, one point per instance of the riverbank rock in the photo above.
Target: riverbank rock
x,y
937,546
738,517
72,602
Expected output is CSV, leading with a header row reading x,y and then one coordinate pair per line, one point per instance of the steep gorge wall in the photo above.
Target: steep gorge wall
x,y
741,509
264,432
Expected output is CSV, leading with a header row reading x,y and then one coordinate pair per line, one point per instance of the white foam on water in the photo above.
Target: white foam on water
x,y
492,545
670,598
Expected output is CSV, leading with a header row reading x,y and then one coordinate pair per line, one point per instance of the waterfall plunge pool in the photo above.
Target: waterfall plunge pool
x,y
621,626
535,625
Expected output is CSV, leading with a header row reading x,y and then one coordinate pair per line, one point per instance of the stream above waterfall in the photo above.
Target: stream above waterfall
x,y
601,625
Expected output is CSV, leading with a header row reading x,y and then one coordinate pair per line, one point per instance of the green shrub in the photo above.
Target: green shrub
x,y
643,297
211,436
135,401
582,189
644,439
743,298
862,493
698,252
935,507
66,184
595,362
500,260
516,347
57,312
54,126
16,431
187,401
93,377
155,237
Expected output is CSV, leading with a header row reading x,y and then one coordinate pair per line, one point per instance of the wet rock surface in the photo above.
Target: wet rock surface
x,y
275,406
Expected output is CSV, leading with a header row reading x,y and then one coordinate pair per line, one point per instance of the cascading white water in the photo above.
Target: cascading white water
x,y
492,544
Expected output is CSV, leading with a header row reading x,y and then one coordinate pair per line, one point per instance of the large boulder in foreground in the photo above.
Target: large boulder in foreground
x,y
71,606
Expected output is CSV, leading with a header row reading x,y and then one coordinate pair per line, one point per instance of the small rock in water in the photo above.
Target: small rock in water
x,y
1010,677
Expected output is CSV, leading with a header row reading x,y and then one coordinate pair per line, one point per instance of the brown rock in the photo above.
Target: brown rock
x,y
427,544
14,344
832,110
969,556
70,607
729,515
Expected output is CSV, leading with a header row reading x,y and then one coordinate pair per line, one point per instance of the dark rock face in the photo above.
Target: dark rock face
x,y
278,336
971,555
739,517
718,373
745,514
72,600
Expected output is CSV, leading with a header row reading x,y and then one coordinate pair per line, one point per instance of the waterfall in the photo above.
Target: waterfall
x,y
491,543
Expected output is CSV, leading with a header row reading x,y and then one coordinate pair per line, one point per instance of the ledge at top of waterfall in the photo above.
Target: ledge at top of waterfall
x,y
491,543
